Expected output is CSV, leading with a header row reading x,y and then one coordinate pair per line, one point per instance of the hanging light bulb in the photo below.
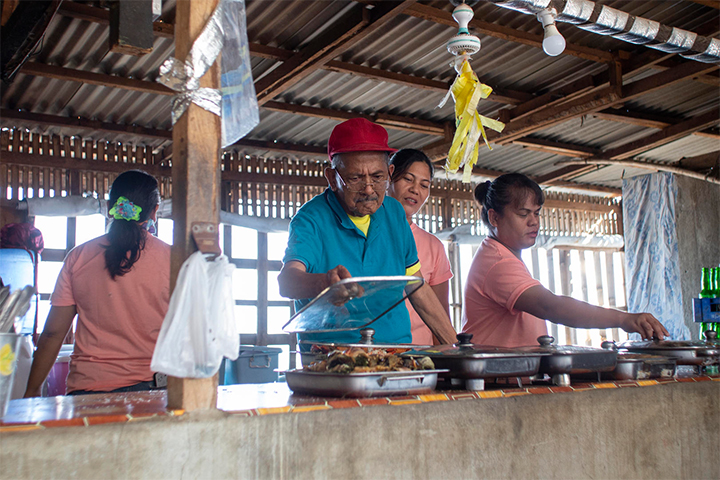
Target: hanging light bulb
x,y
553,43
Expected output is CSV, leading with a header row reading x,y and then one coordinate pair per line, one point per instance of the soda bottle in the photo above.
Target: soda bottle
x,y
706,291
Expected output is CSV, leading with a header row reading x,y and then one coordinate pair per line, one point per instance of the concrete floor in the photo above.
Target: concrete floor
x,y
667,431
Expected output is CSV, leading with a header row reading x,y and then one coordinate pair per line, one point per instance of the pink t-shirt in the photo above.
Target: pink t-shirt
x,y
118,321
495,281
435,269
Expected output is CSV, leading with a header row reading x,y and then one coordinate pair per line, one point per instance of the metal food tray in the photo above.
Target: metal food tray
x,y
642,368
360,385
489,365
685,353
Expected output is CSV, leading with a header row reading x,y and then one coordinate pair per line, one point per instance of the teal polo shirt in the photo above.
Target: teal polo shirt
x,y
322,236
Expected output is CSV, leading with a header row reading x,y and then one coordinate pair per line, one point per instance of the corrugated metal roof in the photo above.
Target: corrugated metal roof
x,y
407,45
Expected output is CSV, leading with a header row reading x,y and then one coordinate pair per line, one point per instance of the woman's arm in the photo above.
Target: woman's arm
x,y
544,304
426,304
58,324
442,291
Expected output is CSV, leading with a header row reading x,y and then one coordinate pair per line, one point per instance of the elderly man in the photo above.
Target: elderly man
x,y
353,229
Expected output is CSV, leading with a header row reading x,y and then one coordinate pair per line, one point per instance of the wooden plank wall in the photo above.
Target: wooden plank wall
x,y
256,186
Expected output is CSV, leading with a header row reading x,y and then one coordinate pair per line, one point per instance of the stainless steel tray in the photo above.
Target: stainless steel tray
x,y
642,367
359,385
684,352
465,360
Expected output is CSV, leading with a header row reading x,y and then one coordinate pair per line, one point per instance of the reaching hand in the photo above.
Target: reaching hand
x,y
645,324
336,274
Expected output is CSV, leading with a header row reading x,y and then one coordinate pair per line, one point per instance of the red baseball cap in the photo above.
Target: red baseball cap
x,y
358,135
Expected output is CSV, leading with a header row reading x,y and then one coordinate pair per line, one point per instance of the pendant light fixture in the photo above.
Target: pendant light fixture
x,y
467,91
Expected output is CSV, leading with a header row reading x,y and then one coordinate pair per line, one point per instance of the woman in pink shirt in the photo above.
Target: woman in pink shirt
x,y
118,285
410,185
504,306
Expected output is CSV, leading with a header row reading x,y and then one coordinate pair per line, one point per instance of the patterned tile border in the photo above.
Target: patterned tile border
x,y
313,404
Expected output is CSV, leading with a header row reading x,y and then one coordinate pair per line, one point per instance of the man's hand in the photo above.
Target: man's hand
x,y
644,324
336,274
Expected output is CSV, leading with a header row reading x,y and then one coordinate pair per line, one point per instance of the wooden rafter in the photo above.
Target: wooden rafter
x,y
663,137
649,120
558,148
643,165
357,25
631,149
391,121
81,123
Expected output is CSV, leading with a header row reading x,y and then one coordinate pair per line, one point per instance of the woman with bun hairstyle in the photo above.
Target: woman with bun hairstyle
x,y
118,285
504,306
410,185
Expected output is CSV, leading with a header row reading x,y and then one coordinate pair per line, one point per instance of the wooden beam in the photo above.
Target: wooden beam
x,y
562,173
700,162
293,148
131,27
708,3
357,25
92,78
196,184
597,100
649,120
558,148
391,121
80,164
27,118
663,137
644,165
444,17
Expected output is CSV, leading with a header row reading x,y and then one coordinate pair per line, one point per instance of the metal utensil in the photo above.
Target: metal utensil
x,y
19,307
4,292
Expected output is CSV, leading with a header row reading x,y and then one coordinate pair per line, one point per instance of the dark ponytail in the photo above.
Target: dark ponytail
x,y
506,189
127,237
403,159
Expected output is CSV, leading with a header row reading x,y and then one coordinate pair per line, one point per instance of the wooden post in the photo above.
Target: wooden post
x,y
196,184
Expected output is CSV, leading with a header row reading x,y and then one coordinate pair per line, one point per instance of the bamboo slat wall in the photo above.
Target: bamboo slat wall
x,y
42,165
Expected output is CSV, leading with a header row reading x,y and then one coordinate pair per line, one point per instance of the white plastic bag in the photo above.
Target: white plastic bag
x,y
199,328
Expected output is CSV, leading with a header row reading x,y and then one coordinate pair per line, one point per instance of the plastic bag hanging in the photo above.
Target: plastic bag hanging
x,y
199,328
467,91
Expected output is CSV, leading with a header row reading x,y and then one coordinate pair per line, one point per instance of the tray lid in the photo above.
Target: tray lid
x,y
711,348
464,349
352,304
547,346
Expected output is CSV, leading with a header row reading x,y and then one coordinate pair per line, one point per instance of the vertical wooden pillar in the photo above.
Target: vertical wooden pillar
x,y
196,183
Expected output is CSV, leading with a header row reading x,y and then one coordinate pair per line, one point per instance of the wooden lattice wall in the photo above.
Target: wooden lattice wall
x,y
42,165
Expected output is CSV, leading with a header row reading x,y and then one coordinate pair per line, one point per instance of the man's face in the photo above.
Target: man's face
x,y
360,181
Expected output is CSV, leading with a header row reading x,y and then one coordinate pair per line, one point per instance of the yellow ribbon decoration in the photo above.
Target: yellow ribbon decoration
x,y
469,124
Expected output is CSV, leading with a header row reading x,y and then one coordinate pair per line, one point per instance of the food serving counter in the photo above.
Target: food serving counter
x,y
624,429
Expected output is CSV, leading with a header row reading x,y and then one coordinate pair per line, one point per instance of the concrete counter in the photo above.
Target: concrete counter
x,y
669,430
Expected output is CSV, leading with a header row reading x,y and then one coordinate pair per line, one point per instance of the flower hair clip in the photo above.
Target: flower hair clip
x,y
124,209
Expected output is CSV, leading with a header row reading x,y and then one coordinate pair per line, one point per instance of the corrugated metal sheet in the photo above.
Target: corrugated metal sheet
x,y
405,45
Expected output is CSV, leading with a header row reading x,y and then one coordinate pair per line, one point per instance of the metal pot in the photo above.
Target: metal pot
x,y
475,363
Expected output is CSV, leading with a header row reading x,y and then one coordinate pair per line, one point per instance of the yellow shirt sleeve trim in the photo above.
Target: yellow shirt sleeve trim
x,y
413,269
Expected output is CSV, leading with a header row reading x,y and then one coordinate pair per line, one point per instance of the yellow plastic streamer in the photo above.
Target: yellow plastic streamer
x,y
469,125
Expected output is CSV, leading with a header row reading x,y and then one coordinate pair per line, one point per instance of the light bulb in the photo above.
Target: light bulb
x,y
553,43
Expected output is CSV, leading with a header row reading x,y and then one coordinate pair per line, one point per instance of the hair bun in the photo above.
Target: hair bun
x,y
481,191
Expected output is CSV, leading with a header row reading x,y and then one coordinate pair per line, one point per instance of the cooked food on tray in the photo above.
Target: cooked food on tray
x,y
361,360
